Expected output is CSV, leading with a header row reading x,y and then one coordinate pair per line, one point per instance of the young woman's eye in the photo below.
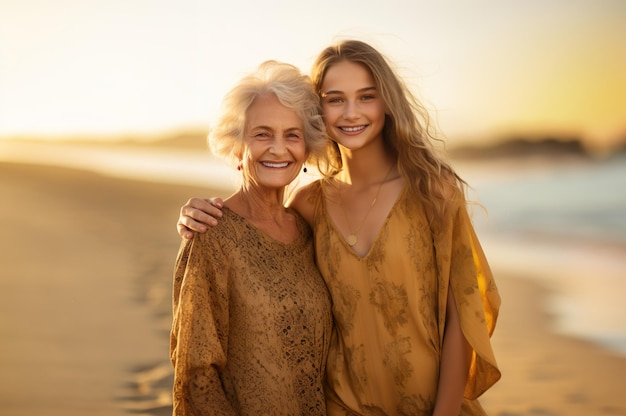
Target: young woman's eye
x,y
334,100
367,97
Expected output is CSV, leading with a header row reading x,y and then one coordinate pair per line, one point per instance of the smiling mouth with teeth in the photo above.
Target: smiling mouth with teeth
x,y
275,165
352,129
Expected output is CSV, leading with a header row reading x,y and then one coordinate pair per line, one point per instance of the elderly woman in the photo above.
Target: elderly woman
x,y
252,316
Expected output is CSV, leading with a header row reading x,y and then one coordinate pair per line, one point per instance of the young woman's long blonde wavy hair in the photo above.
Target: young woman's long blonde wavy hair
x,y
406,130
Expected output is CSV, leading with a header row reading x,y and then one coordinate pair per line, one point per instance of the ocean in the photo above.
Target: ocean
x,y
580,201
562,224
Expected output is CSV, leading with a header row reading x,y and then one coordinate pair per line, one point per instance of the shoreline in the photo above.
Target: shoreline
x,y
88,262
585,282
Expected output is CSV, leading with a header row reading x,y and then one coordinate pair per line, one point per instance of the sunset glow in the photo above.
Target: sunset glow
x,y
73,67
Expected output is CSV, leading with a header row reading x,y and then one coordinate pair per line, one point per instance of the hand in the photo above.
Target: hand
x,y
196,214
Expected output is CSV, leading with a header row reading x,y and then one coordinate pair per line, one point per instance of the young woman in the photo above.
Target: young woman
x,y
252,318
414,301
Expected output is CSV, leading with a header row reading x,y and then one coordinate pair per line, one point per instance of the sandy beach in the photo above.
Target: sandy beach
x,y
84,322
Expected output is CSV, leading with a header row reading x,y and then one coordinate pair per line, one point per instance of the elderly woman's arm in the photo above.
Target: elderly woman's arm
x,y
199,332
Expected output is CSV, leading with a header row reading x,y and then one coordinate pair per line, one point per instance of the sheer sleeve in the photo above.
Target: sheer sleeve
x,y
462,266
199,333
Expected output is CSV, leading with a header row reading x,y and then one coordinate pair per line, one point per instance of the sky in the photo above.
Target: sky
x,y
140,67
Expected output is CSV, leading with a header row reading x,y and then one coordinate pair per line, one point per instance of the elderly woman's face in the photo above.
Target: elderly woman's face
x,y
274,143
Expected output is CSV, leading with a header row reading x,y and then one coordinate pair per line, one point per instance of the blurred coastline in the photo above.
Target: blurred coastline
x,y
547,207
553,228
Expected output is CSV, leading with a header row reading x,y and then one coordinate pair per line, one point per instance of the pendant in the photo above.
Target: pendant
x,y
351,239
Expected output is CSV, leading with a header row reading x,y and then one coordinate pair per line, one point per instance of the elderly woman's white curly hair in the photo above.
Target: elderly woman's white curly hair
x,y
293,89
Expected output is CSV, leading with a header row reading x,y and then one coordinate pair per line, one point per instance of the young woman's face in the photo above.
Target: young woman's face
x,y
274,148
353,109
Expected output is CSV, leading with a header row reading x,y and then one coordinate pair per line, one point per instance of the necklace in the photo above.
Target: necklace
x,y
352,239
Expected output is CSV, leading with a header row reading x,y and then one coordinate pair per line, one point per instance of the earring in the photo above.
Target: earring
x,y
304,170
238,167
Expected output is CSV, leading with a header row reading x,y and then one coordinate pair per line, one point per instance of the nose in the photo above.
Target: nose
x,y
350,110
278,146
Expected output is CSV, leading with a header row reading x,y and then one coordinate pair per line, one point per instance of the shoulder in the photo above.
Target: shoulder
x,y
443,201
304,200
222,236
448,193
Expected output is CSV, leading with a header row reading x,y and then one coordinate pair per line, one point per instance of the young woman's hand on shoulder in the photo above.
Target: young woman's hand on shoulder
x,y
197,214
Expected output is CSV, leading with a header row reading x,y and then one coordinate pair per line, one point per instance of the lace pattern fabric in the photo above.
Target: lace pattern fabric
x,y
251,325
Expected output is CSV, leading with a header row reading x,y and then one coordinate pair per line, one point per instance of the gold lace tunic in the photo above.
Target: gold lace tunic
x,y
251,325
389,309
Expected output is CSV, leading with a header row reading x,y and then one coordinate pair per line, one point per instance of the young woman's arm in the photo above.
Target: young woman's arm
x,y
301,203
197,214
455,361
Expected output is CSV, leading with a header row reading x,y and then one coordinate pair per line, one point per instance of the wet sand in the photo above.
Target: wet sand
x,y
86,277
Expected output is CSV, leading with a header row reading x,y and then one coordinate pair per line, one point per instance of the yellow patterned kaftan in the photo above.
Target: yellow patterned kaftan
x,y
252,323
389,309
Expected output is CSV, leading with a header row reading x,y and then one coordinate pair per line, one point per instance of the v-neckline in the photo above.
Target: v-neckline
x,y
378,234
300,223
